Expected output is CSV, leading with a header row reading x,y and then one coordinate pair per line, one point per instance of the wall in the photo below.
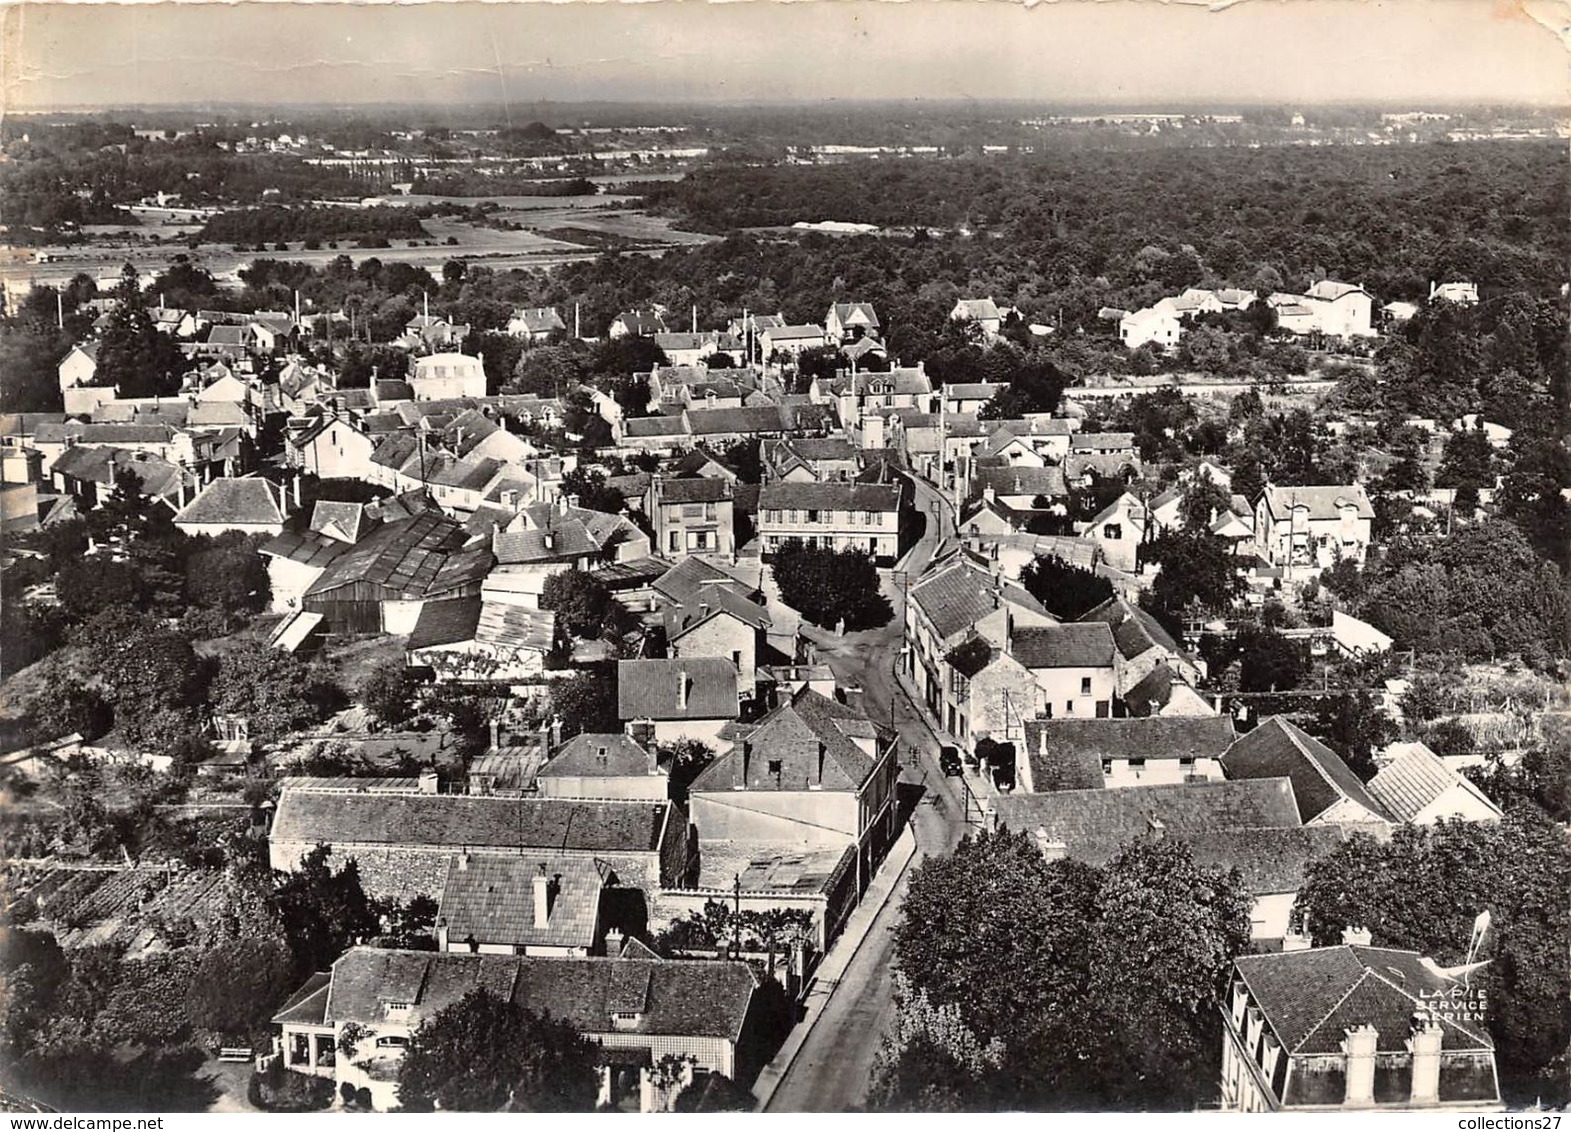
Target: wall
x,y
728,638
705,731
816,818
1061,689
653,787
290,580
1158,771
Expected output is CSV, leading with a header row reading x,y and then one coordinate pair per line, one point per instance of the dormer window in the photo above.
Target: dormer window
x,y
625,1019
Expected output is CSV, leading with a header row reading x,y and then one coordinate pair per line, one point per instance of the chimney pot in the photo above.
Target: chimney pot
x,y
1356,936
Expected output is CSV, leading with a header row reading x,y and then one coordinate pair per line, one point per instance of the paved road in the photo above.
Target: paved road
x,y
830,1073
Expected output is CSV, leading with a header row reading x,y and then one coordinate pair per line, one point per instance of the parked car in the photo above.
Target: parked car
x,y
949,760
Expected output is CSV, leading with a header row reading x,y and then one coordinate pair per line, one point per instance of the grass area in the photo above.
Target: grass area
x,y
352,661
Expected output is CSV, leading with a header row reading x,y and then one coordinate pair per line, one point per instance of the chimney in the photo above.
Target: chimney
x,y
1359,1045
1296,941
496,733
510,499
613,942
654,760
1424,1045
823,752
550,541
428,782
441,921
463,861
681,689
542,898
988,494
1156,827
741,749
571,504
556,733
1052,849
1356,936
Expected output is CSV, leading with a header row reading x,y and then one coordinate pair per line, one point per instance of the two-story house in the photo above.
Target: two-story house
x,y
1353,1027
1315,526
847,322
694,515
838,516
720,621
677,698
1073,663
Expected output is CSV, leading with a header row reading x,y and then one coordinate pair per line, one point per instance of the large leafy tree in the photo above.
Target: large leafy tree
x,y
324,912
275,691
827,586
485,1053
583,605
134,358
147,673
1422,890
1065,591
1197,569
932,1061
1100,983
585,701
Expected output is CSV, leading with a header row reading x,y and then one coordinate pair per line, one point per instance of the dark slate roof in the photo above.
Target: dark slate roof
x,y
1323,502
1134,630
1154,691
829,496
813,739
422,556
1312,998
648,689
960,592
249,500
695,489
1071,645
692,576
158,477
694,998
1281,749
655,426
713,601
1072,816
569,540
723,422
445,623
493,900
596,755
1195,737
456,821
1023,481
308,1005
333,518
971,656
393,389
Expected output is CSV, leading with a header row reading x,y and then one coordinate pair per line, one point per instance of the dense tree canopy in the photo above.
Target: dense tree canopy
x,y
1065,591
488,1054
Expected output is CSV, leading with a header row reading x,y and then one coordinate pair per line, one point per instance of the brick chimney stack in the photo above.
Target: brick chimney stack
x,y
1424,1044
1360,1045
542,885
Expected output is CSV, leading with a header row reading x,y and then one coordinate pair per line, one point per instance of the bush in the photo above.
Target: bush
x,y
346,1092
283,1090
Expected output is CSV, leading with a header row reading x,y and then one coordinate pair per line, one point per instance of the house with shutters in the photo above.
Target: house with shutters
x,y
1074,663
535,324
1355,1028
789,341
694,515
1313,526
837,516
1118,530
636,1009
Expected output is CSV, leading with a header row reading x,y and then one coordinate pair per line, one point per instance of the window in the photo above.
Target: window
x,y
1085,685
812,516
1069,707
794,516
1186,760
1137,764
392,1041
676,540
1112,531
775,767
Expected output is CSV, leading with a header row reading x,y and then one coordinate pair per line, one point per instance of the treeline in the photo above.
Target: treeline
x,y
273,223
501,185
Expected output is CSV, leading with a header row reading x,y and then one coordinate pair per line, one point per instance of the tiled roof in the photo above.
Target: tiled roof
x,y
1070,645
691,576
1154,690
862,312
1415,780
806,743
568,540
713,601
1193,737
973,390
1134,630
1270,861
721,422
492,900
596,755
238,501
343,521
1182,809
648,427
308,1005
158,477
1102,441
829,496
696,489
539,320
1312,998
696,998
959,593
650,689
792,333
1322,502
1023,481
423,556
455,821
971,657
1279,748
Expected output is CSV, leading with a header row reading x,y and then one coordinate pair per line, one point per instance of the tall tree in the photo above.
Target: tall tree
x,y
324,912
1065,591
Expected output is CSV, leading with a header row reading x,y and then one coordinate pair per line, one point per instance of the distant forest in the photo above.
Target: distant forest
x,y
1390,217
251,225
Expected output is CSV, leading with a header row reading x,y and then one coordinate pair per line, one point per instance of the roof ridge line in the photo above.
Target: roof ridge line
x,y
1364,973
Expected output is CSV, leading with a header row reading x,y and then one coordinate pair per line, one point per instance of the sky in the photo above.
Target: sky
x,y
1115,52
